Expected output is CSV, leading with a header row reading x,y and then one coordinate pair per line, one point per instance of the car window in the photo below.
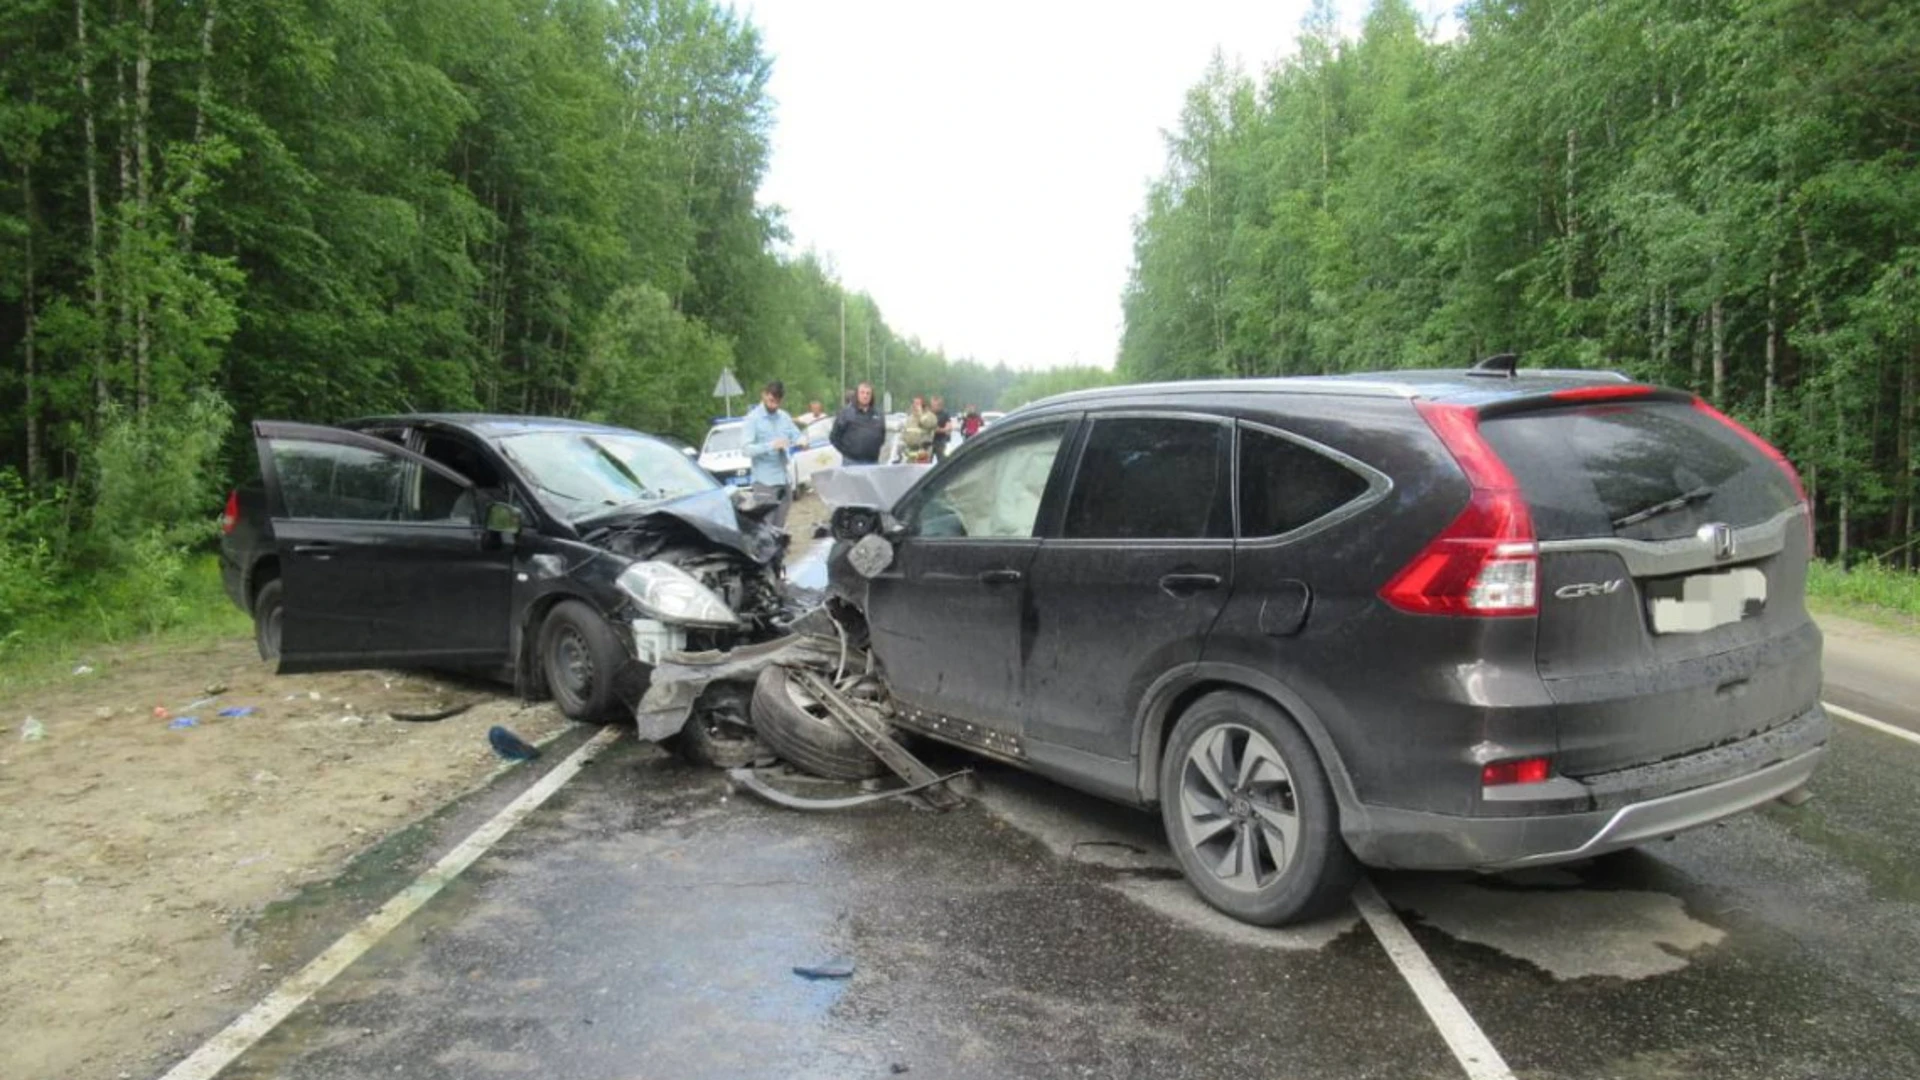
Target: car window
x,y
332,481
725,438
584,473
1284,485
1584,469
1143,478
993,493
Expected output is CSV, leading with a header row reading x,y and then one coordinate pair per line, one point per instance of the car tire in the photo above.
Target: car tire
x,y
581,659
719,733
269,619
803,734
1260,838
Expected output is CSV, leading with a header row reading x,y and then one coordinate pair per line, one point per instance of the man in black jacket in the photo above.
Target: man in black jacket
x,y
859,431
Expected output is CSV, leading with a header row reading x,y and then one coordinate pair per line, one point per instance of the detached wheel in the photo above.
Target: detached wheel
x,y
581,659
804,734
269,614
1249,813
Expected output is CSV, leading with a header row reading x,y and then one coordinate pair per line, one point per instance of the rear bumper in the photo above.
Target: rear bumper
x,y
1415,840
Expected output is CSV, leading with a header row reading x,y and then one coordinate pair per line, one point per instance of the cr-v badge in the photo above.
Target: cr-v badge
x,y
1588,588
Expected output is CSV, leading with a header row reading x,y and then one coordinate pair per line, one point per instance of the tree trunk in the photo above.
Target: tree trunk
x,y
29,302
1698,343
143,193
1773,350
1904,451
1666,327
123,240
85,62
1573,217
1718,315
202,98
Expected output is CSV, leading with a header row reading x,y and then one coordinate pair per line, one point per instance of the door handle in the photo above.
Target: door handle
x,y
1000,577
318,550
1188,584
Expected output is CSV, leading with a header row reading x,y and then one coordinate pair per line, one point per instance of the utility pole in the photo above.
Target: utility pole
x,y
843,343
869,350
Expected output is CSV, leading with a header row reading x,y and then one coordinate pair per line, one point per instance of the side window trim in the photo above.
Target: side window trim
x,y
1379,486
266,431
1056,534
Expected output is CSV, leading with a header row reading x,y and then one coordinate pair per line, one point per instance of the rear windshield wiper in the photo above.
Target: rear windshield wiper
x,y
1685,498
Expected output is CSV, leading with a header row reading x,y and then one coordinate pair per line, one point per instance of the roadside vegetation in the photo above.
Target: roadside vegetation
x,y
1879,593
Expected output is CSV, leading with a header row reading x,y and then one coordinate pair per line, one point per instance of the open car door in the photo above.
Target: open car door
x,y
384,557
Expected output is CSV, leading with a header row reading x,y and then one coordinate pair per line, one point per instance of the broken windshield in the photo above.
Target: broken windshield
x,y
587,472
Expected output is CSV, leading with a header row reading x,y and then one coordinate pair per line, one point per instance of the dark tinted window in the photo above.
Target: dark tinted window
x,y
1284,485
327,480
1583,469
347,483
1148,479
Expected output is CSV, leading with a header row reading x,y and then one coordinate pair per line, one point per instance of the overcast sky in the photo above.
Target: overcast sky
x,y
976,167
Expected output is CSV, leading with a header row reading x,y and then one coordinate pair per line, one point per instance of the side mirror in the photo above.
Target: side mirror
x,y
505,518
852,523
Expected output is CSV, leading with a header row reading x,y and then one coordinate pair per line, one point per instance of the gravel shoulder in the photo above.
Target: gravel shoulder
x,y
133,853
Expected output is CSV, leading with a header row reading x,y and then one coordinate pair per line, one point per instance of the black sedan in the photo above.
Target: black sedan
x,y
561,556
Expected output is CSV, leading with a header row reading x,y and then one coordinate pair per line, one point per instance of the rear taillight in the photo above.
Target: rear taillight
x,y
1533,770
1486,562
231,515
1767,448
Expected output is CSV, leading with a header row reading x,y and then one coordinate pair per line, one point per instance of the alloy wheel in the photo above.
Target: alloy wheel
x,y
1238,811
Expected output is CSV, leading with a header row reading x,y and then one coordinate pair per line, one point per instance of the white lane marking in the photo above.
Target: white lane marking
x,y
1868,721
220,1051
1469,1044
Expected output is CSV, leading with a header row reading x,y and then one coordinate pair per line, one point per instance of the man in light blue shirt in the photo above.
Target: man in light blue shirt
x,y
770,432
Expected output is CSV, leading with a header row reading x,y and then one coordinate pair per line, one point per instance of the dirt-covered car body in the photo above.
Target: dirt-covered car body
x,y
460,541
1428,620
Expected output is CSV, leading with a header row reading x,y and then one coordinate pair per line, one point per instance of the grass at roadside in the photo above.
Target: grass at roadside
x,y
51,646
1876,594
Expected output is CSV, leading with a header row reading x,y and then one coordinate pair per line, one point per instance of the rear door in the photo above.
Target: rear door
x,y
1673,558
382,558
1138,571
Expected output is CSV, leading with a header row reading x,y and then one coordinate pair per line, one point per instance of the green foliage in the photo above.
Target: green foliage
x,y
1867,587
1722,197
29,567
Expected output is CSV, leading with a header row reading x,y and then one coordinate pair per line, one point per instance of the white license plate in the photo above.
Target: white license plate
x,y
1705,601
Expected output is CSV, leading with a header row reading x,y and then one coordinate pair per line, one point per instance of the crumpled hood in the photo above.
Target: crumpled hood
x,y
710,513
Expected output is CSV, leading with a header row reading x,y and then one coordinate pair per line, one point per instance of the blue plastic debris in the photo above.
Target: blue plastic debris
x,y
237,710
183,722
511,746
832,969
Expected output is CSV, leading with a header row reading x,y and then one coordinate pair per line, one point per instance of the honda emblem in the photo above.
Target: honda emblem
x,y
1719,537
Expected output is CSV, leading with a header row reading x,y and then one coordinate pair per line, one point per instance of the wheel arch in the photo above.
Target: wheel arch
x,y
264,569
529,677
1168,699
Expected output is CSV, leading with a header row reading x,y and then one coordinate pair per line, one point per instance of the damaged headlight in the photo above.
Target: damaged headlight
x,y
672,595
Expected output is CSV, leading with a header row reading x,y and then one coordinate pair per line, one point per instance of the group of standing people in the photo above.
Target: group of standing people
x,y
859,433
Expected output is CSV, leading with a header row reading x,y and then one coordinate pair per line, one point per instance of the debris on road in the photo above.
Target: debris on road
x,y
180,722
32,731
430,717
832,969
237,711
510,746
755,780
83,669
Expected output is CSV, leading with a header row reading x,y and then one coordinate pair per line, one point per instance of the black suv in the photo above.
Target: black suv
x,y
1463,619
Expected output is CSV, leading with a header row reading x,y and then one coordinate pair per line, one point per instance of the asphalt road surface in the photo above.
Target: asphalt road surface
x,y
645,922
